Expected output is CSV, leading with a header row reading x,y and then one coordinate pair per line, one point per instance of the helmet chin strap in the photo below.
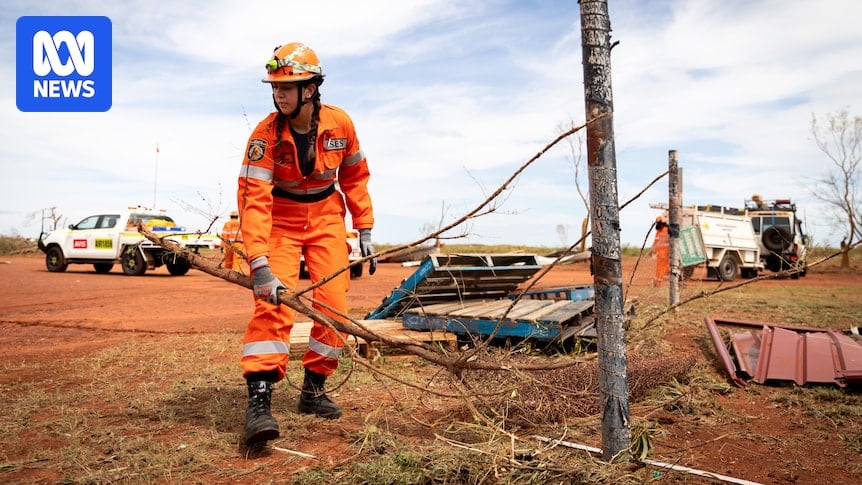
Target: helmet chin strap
x,y
299,103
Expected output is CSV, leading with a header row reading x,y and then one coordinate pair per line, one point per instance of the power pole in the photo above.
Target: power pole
x,y
604,213
674,205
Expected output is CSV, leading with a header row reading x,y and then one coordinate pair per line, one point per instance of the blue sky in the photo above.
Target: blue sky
x,y
448,98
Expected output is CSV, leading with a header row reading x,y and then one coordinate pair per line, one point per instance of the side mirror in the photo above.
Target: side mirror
x,y
71,226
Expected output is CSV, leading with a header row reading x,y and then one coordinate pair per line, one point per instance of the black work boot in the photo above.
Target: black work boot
x,y
260,426
312,400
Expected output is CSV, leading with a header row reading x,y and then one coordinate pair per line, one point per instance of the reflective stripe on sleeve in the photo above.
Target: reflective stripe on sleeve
x,y
321,348
255,172
265,347
354,159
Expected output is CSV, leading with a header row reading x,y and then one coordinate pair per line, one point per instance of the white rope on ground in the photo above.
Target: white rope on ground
x,y
658,464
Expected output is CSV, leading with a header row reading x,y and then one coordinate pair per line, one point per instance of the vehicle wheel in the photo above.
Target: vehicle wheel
x,y
727,268
799,270
776,239
103,268
748,273
133,262
356,271
687,272
178,266
54,260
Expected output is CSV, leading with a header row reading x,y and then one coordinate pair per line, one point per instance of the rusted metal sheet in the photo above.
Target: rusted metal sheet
x,y
768,352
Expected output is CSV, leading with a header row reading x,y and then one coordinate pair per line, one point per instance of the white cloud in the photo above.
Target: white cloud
x,y
449,97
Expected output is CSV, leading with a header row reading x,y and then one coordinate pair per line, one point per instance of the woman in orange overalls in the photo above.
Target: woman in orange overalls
x,y
661,250
302,170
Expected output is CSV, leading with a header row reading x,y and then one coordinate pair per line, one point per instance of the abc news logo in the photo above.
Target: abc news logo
x,y
63,64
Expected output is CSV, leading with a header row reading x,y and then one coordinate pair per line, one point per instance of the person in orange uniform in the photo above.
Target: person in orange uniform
x,y
303,169
232,242
660,249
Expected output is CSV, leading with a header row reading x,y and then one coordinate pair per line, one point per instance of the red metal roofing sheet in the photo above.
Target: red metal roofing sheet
x,y
783,352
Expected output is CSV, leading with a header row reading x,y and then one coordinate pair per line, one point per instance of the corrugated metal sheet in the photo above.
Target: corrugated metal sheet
x,y
767,352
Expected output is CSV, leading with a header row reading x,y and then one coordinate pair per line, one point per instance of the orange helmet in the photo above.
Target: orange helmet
x,y
661,218
293,62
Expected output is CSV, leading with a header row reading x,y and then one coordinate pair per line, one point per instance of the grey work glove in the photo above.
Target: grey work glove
x,y
367,249
266,285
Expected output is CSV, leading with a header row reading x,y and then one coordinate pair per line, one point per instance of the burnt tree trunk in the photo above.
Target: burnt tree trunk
x,y
604,213
673,217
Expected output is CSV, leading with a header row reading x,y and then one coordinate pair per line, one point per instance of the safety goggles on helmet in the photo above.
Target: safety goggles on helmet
x,y
275,64
292,62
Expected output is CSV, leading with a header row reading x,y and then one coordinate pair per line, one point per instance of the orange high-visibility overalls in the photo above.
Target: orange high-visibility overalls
x,y
232,237
661,248
285,215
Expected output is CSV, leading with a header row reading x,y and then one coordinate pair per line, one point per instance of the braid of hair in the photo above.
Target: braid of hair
x,y
315,120
280,122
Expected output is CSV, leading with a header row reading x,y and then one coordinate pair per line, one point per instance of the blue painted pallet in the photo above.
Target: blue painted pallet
x,y
457,277
475,296
575,293
542,320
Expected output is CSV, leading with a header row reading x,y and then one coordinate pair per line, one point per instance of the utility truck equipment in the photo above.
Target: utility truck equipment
x,y
722,238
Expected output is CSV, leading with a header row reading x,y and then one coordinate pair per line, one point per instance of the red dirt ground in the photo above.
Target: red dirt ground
x,y
37,306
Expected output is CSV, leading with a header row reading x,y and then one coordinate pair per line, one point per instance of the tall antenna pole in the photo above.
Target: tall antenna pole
x,y
156,176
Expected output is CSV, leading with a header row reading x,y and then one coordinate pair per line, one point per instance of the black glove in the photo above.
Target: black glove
x,y
367,249
266,285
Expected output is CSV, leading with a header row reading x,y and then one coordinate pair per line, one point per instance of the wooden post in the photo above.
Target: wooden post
x,y
673,217
604,212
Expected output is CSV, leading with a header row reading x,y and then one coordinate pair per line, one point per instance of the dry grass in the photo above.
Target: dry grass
x,y
169,408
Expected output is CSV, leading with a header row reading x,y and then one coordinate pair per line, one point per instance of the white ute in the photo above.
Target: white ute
x,y
106,239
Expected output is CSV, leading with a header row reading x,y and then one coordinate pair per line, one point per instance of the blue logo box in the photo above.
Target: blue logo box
x,y
63,64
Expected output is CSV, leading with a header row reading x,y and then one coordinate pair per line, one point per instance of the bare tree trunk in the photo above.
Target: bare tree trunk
x,y
604,211
845,254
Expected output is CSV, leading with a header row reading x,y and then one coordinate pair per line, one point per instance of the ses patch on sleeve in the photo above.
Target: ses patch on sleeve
x,y
256,149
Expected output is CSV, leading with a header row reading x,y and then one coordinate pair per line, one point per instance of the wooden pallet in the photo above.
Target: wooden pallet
x,y
391,329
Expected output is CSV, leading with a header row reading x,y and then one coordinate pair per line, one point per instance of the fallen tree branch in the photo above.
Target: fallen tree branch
x,y
454,364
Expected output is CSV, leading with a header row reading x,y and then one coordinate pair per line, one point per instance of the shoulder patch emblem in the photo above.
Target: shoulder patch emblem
x,y
256,149
335,144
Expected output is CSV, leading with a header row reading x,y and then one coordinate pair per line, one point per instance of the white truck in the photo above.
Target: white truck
x,y
104,240
783,242
722,238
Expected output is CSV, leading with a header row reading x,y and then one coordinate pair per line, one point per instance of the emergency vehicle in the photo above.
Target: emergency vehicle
x,y
104,240
783,242
722,238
